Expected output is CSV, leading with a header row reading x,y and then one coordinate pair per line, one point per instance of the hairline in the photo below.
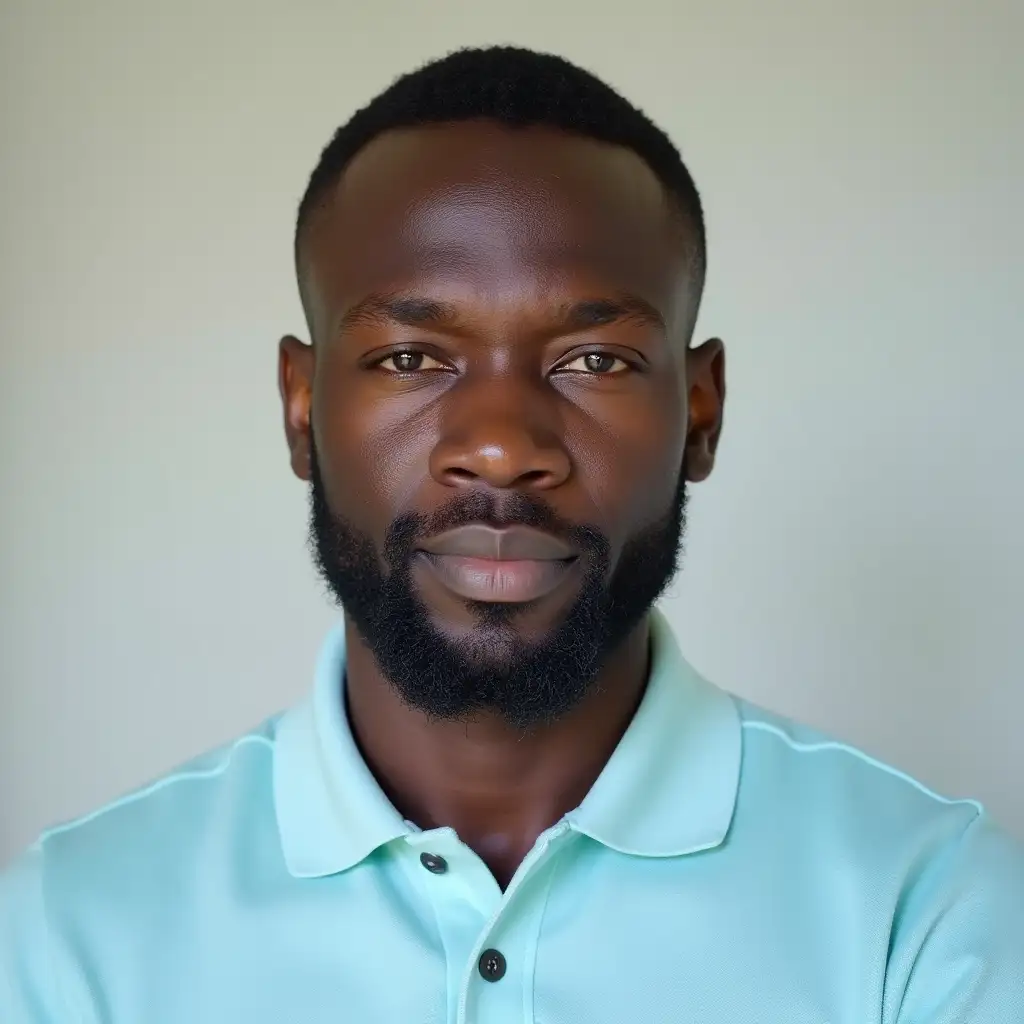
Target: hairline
x,y
313,202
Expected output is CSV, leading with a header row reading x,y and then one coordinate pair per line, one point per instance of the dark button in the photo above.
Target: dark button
x,y
431,861
492,965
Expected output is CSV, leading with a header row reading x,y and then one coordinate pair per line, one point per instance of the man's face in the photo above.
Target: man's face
x,y
500,412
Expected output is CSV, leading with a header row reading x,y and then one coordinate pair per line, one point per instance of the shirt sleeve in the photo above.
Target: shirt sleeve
x,y
28,987
968,967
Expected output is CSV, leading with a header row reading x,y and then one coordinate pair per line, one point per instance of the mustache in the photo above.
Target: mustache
x,y
514,509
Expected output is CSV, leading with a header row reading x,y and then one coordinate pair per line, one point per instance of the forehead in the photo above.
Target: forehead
x,y
502,215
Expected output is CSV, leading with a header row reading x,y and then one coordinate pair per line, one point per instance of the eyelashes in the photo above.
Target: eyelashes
x,y
595,363
410,360
598,363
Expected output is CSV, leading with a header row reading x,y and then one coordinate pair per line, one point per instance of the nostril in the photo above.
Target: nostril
x,y
535,476
524,465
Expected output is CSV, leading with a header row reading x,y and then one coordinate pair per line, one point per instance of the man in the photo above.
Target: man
x,y
508,797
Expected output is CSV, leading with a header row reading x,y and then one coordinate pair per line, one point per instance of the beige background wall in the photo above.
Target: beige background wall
x,y
857,561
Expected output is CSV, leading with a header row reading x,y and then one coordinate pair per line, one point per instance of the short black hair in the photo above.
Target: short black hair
x,y
514,87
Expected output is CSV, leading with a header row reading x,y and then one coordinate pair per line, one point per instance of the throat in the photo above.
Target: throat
x,y
502,853
497,787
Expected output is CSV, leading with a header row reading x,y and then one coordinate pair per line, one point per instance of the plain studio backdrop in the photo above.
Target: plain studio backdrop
x,y
855,562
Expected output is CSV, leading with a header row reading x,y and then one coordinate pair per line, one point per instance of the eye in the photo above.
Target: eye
x,y
602,364
409,361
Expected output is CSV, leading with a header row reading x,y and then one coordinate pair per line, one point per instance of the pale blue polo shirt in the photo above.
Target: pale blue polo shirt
x,y
727,867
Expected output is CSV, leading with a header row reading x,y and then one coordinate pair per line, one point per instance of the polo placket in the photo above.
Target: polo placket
x,y
489,937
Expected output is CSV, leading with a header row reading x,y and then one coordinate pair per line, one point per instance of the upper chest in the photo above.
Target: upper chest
x,y
420,932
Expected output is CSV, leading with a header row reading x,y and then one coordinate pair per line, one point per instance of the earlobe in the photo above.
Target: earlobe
x,y
296,361
705,376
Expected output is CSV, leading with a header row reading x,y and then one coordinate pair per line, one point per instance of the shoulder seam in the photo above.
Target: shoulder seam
x,y
154,787
827,745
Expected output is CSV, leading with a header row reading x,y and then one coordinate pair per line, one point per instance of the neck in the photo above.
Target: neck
x,y
497,787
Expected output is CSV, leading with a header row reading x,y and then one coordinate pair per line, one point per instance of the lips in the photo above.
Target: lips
x,y
510,544
512,565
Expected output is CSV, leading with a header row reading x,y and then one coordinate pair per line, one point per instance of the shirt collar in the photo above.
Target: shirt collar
x,y
668,789
670,786
331,812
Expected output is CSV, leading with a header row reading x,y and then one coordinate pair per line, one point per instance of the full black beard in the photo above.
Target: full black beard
x,y
495,670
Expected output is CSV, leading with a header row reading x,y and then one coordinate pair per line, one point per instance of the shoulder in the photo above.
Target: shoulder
x,y
944,884
139,855
838,784
831,801
138,846
169,812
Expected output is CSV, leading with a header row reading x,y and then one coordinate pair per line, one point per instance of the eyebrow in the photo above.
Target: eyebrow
x,y
417,311
409,310
599,312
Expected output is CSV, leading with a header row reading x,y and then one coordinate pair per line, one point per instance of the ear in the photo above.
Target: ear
x,y
705,380
295,364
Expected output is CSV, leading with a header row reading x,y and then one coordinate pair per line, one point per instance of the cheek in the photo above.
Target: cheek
x,y
630,465
637,495
373,456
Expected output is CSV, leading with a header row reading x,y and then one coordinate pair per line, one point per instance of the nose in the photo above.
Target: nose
x,y
501,435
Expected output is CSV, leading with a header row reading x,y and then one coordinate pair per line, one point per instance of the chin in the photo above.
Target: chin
x,y
495,624
490,624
